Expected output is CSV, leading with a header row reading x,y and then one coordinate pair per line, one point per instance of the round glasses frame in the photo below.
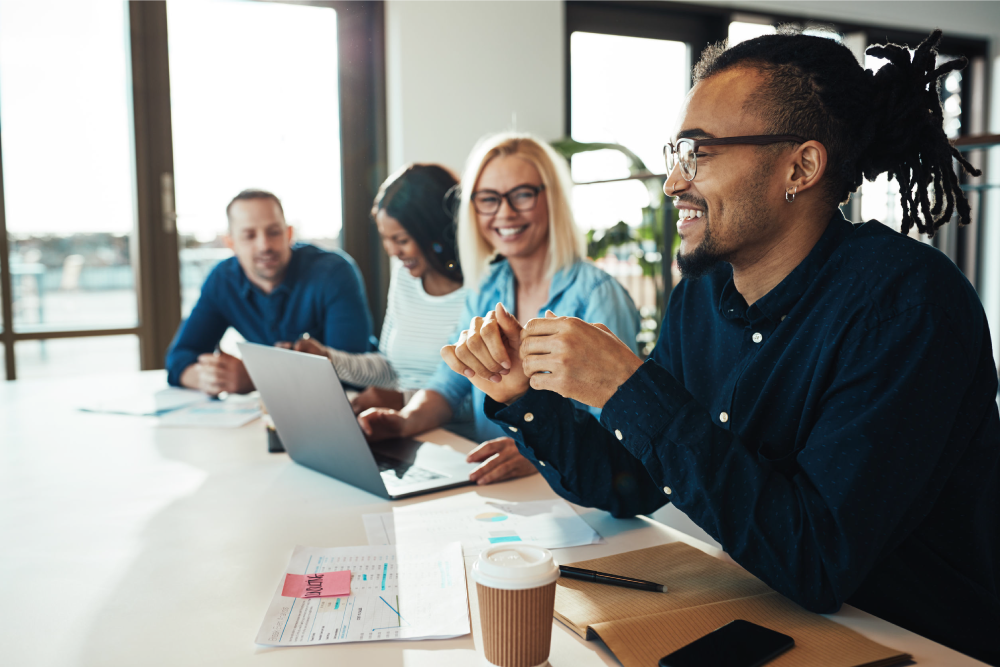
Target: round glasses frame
x,y
685,152
509,196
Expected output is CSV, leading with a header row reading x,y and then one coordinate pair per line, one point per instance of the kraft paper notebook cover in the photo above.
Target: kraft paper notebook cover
x,y
704,593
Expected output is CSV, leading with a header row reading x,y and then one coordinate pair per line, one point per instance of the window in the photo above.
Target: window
x,y
254,104
67,177
98,112
614,101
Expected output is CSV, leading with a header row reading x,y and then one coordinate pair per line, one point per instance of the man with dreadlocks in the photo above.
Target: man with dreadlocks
x,y
822,396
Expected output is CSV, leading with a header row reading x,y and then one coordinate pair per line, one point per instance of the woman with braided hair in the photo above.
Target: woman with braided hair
x,y
822,397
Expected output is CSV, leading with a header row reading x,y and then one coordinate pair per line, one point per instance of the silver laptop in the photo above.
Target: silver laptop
x,y
318,429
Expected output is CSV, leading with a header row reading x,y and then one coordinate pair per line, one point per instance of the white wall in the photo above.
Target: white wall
x,y
456,71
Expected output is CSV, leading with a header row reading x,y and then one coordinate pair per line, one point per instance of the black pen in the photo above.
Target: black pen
x,y
610,579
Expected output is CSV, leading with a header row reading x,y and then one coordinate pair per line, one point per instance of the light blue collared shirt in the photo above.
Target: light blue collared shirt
x,y
579,290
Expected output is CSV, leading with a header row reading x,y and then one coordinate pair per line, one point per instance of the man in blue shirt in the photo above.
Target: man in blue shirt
x,y
822,399
271,292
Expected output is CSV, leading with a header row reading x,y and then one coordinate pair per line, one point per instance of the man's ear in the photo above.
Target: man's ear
x,y
807,166
228,240
290,233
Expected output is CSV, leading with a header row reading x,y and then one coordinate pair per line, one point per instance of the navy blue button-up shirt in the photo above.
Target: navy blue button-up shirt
x,y
839,437
322,294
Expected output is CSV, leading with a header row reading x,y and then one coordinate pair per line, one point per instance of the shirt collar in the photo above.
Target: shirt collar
x,y
777,302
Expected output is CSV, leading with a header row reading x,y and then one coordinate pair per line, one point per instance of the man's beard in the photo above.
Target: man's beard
x,y
702,259
749,216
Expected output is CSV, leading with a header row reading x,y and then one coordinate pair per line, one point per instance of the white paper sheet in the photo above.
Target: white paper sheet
x,y
233,412
380,528
412,593
163,401
478,522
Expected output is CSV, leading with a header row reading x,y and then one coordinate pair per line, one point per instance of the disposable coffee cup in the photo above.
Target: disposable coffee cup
x,y
516,585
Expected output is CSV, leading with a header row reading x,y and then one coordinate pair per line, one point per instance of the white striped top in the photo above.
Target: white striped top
x,y
416,327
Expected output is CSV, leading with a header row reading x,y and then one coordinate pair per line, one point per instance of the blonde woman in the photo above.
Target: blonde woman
x,y
519,245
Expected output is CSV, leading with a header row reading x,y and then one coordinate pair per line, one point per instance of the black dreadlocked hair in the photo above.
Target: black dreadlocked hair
x,y
870,123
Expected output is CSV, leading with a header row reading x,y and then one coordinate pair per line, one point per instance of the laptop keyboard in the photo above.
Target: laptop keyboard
x,y
396,473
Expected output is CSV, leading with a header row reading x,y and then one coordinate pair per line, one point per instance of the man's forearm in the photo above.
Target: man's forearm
x,y
578,457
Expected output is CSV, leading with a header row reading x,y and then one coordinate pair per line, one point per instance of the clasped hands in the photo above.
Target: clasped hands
x,y
575,359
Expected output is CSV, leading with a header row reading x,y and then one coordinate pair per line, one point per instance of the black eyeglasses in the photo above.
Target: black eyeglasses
x,y
685,153
522,198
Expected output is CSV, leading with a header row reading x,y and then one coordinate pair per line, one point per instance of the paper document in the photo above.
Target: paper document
x,y
233,412
478,522
162,402
379,528
412,593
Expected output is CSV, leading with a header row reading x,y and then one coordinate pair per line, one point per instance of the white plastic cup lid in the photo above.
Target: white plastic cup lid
x,y
515,567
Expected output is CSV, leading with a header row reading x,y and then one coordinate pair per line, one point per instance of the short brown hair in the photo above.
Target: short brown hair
x,y
252,193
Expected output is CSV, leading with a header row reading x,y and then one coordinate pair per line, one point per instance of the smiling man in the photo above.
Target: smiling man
x,y
272,291
822,396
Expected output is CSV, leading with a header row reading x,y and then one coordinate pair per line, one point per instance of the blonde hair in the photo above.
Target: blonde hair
x,y
566,243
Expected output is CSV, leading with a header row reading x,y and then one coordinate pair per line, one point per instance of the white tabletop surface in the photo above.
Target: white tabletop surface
x,y
124,543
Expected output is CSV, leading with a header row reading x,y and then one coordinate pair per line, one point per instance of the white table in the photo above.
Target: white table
x,y
122,543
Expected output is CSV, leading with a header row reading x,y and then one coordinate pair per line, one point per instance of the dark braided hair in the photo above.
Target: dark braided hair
x,y
888,121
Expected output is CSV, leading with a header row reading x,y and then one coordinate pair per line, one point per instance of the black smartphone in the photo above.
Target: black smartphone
x,y
737,644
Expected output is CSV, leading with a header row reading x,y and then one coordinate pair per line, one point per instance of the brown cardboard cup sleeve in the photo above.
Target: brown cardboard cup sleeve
x,y
516,585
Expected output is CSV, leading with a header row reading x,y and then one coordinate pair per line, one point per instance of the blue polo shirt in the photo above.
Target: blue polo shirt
x,y
322,294
839,437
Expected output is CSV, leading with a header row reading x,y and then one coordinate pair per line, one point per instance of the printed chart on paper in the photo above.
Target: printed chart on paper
x,y
479,522
395,594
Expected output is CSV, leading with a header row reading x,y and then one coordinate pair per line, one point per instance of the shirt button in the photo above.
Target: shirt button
x,y
618,434
528,416
722,418
783,317
667,490
541,463
514,428
757,337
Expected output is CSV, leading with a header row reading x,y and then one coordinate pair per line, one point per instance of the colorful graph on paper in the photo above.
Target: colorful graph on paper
x,y
415,595
478,522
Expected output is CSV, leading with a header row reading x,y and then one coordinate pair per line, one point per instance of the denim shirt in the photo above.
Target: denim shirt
x,y
322,294
839,437
579,290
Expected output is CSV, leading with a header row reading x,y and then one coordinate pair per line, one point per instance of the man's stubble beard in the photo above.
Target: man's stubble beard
x,y
748,214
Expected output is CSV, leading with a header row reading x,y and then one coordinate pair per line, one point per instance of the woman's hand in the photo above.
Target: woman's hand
x,y
501,461
376,397
381,424
488,353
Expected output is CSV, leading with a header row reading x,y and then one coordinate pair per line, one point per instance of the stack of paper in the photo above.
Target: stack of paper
x,y
478,522
395,594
